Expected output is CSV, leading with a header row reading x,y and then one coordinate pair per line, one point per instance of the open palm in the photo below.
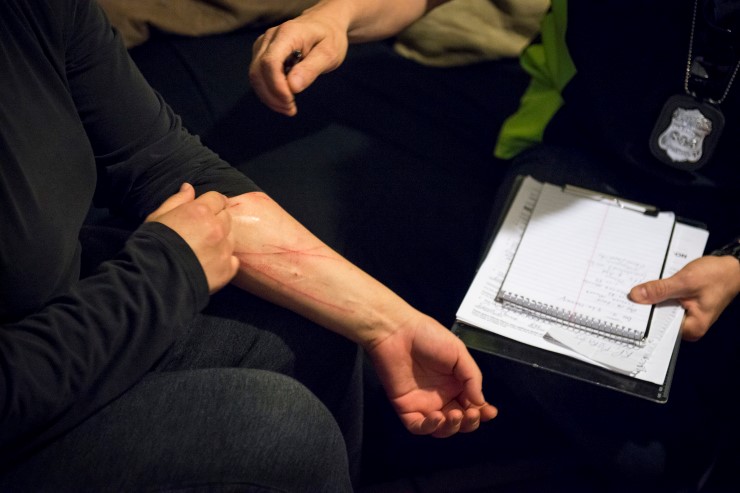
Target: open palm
x,y
431,379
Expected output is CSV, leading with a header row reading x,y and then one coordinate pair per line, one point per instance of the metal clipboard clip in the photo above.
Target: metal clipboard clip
x,y
648,210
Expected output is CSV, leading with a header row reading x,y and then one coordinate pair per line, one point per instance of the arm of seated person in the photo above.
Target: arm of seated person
x,y
321,34
427,372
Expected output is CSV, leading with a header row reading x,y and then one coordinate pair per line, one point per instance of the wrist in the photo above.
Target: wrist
x,y
381,317
731,252
338,13
732,249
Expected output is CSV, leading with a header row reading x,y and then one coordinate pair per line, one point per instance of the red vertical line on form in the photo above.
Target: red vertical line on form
x,y
590,263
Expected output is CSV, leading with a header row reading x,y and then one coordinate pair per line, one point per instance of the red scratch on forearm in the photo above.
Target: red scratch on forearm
x,y
280,250
272,272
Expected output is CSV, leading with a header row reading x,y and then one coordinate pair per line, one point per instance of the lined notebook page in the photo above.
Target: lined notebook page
x,y
579,258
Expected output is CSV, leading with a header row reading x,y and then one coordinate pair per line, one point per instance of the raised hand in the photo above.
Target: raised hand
x,y
704,287
205,225
321,34
322,42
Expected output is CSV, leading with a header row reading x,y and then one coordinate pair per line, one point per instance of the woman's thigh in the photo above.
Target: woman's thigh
x,y
238,330
199,430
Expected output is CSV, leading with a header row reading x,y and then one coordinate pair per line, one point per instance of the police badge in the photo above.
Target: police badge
x,y
690,124
686,132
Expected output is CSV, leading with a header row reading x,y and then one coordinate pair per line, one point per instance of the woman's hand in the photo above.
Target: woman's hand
x,y
431,379
205,225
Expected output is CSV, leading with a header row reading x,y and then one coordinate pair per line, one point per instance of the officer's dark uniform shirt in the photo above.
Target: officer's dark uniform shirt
x,y
630,57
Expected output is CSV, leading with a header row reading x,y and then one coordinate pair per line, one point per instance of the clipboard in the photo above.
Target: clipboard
x,y
580,253
492,343
500,346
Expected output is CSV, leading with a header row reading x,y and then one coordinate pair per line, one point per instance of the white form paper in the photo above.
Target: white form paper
x,y
579,257
648,361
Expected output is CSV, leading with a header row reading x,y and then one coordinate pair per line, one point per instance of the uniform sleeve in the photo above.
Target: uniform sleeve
x,y
143,152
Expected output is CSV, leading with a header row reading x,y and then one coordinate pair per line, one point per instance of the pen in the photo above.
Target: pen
x,y
294,57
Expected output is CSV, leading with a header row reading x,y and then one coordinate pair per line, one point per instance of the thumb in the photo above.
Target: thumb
x,y
184,195
652,292
313,64
467,372
297,82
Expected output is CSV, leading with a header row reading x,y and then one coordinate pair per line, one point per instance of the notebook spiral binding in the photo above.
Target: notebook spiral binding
x,y
571,318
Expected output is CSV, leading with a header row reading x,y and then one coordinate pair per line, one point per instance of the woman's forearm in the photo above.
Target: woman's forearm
x,y
369,20
281,261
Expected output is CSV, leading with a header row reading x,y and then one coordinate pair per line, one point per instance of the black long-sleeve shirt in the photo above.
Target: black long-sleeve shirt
x,y
77,121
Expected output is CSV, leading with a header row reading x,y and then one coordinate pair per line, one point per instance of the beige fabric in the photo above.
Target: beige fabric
x,y
457,33
467,31
134,18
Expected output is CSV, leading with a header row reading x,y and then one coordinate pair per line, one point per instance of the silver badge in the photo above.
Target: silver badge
x,y
686,133
683,140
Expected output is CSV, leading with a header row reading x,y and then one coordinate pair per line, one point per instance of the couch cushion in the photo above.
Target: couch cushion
x,y
135,18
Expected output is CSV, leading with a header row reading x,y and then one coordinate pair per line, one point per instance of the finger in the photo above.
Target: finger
x,y
183,196
488,412
305,73
323,51
418,424
216,202
234,266
225,218
273,92
485,412
259,44
230,270
659,290
266,73
471,420
467,372
695,326
450,425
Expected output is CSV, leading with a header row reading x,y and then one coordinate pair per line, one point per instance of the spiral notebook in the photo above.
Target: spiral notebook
x,y
551,289
579,258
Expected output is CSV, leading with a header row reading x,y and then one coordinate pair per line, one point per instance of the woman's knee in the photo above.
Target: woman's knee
x,y
258,428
